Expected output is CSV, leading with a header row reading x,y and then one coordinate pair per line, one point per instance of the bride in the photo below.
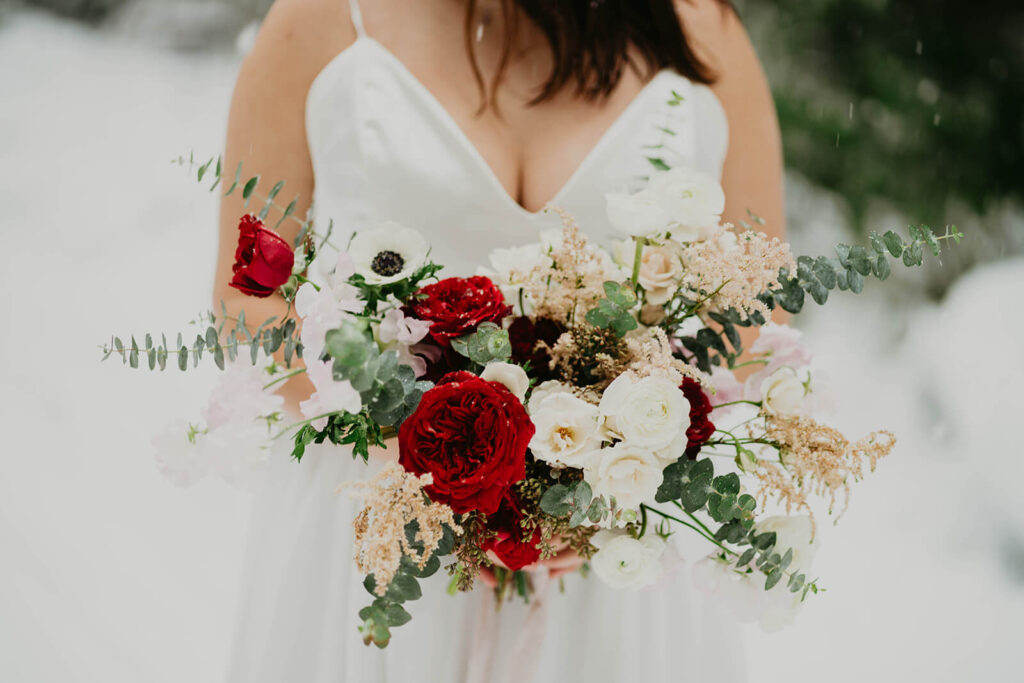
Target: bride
x,y
464,119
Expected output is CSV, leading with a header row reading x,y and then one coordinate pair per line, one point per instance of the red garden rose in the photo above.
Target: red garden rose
x,y
263,259
456,306
471,435
701,428
510,546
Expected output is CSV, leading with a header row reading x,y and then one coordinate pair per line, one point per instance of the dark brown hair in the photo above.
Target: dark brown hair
x,y
593,41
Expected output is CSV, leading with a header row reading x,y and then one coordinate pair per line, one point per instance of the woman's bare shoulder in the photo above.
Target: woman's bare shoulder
x,y
298,38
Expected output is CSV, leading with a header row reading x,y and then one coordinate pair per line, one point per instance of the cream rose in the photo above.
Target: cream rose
x,y
622,561
661,267
629,473
782,393
543,390
568,429
648,412
512,376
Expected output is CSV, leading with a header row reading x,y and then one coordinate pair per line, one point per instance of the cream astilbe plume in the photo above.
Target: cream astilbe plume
x,y
573,281
391,500
729,270
816,459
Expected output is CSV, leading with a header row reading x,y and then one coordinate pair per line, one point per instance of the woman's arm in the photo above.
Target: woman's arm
x,y
753,173
267,133
752,177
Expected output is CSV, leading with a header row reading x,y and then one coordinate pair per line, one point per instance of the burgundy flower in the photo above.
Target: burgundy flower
x,y
456,306
701,428
472,436
263,259
524,335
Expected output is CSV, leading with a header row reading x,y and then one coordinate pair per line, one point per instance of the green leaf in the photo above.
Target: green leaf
x,y
659,163
774,576
894,243
403,588
557,501
250,185
396,615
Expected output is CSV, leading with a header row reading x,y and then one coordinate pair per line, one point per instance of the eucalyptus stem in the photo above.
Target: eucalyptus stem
x,y
705,535
284,377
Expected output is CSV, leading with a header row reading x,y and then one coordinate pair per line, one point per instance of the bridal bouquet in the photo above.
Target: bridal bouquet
x,y
569,397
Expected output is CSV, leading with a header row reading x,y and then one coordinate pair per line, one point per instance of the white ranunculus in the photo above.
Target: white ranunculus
x,y
512,376
794,533
511,269
388,253
661,267
543,390
782,393
568,429
672,452
622,561
693,200
648,412
630,473
642,214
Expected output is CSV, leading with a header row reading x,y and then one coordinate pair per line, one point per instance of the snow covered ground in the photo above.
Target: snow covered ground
x,y
109,574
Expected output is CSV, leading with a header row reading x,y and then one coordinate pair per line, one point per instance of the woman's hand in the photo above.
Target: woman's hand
x,y
564,561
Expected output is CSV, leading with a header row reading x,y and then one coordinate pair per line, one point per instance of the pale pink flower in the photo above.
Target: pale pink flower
x,y
240,395
181,454
398,327
781,347
331,395
727,387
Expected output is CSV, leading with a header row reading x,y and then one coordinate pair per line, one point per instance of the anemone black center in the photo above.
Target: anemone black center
x,y
388,263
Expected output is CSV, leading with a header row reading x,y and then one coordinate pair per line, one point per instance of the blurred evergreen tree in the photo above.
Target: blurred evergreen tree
x,y
913,101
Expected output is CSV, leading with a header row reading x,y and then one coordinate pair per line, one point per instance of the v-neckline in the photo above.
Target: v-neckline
x,y
446,119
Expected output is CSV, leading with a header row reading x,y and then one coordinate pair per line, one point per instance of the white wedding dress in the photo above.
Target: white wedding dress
x,y
383,148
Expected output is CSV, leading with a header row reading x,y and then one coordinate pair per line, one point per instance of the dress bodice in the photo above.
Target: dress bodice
x,y
383,148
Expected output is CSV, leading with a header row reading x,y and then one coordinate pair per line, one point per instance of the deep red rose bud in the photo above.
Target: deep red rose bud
x,y
472,436
456,306
510,545
701,428
263,259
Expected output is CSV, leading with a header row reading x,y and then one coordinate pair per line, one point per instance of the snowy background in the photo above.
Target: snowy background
x,y
107,573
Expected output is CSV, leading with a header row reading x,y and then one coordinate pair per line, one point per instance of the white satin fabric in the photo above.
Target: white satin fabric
x,y
384,148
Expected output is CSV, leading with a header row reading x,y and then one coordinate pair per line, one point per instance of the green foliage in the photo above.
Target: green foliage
x,y
389,389
219,340
359,430
817,277
693,487
577,501
488,343
388,611
403,290
613,312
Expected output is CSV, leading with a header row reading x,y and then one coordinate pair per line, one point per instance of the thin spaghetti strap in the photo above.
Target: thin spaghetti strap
x,y
357,17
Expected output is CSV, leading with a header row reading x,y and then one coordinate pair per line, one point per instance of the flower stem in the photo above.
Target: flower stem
x,y
637,258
